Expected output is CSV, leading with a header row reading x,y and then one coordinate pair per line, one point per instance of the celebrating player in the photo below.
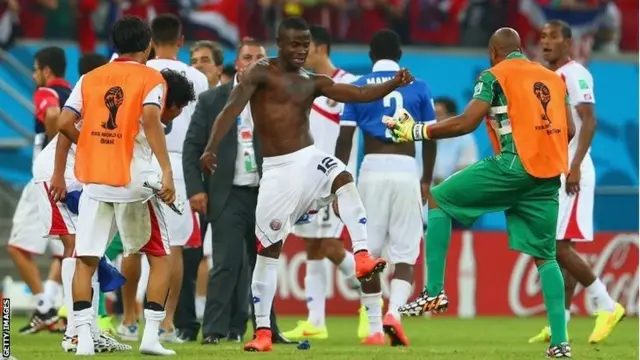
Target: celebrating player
x,y
126,101
530,128
184,230
26,237
322,233
575,217
389,183
297,177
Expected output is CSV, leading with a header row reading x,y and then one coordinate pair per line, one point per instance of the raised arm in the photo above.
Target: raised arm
x,y
238,99
351,93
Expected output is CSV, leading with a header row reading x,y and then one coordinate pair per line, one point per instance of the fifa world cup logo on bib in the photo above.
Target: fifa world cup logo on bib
x,y
544,95
113,99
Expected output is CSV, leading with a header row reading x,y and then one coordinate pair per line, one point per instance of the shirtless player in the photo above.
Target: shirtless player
x,y
297,177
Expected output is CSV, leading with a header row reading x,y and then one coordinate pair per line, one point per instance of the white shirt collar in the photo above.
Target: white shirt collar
x,y
385,65
235,80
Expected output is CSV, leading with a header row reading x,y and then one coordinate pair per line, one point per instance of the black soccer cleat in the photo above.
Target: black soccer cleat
x,y
425,303
40,321
559,351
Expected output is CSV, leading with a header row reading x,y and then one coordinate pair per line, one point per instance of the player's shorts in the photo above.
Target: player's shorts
x,y
324,225
142,227
207,245
291,186
26,231
575,217
500,183
390,189
183,229
56,218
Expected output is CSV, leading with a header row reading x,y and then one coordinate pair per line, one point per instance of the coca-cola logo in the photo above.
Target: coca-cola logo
x,y
616,265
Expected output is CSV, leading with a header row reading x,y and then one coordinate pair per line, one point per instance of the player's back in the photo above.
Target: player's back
x,y
177,130
324,119
415,98
580,89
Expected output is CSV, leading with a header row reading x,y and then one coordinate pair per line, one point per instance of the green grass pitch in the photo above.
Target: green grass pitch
x,y
433,339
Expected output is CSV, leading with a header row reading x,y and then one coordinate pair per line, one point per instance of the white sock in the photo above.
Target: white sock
x,y
373,306
598,292
43,303
263,287
67,271
353,215
83,328
95,286
201,302
315,289
567,315
51,290
348,269
399,293
152,322
144,279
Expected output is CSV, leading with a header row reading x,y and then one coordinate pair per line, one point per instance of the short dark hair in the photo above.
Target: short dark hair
x,y
130,35
54,58
292,23
180,90
385,45
214,47
247,41
89,62
448,103
166,29
321,36
565,29
229,70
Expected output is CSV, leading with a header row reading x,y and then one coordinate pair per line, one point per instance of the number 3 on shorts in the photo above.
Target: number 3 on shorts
x,y
398,101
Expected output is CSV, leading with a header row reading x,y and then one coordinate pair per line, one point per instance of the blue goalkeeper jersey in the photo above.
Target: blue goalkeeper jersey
x,y
415,98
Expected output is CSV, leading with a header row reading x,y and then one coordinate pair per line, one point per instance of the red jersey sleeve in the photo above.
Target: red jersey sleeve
x,y
43,99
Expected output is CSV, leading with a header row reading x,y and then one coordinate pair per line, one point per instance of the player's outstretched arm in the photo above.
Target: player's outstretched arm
x,y
351,93
461,124
252,77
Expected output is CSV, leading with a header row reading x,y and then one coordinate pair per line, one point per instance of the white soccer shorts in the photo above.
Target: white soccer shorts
x,y
184,229
390,189
26,230
575,212
142,227
56,218
324,225
291,186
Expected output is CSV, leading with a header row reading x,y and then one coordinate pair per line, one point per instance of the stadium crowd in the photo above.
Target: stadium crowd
x,y
610,25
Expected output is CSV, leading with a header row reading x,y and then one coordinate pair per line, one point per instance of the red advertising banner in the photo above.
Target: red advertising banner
x,y
483,277
341,300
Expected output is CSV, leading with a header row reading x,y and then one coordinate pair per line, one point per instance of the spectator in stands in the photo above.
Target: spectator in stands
x,y
456,153
481,19
227,74
208,57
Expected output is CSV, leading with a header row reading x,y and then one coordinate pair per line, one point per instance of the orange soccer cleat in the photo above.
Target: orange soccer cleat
x,y
375,339
261,343
366,266
393,328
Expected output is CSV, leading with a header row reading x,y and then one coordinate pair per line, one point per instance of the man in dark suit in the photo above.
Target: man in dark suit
x,y
228,200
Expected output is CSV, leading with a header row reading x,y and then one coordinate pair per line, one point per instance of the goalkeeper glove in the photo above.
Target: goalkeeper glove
x,y
404,127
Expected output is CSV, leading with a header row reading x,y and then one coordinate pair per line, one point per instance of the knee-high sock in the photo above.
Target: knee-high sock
x,y
263,287
553,295
67,271
315,288
353,215
437,243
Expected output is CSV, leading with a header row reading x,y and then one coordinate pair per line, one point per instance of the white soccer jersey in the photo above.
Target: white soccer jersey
x,y
324,121
580,88
177,131
44,163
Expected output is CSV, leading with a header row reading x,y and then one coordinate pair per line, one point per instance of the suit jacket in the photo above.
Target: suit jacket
x,y
218,185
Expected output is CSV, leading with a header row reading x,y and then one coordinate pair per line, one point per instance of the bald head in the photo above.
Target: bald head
x,y
505,41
